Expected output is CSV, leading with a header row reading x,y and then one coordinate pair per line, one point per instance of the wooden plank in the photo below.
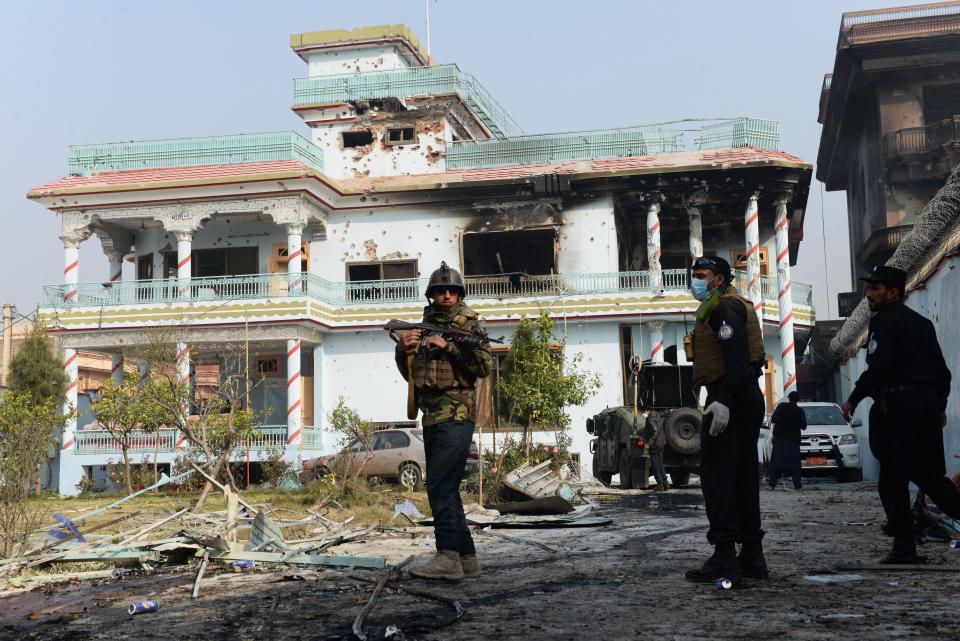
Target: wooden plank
x,y
300,559
117,555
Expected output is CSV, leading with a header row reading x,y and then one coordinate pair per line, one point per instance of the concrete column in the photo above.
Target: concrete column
x,y
656,341
71,269
116,270
653,248
116,368
183,375
71,470
318,405
785,300
295,256
184,250
752,229
294,409
695,211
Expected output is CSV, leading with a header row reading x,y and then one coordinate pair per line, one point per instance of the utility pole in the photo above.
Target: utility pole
x,y
427,6
7,343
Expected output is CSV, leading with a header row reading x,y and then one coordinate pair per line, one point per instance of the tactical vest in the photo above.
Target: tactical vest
x,y
708,353
433,369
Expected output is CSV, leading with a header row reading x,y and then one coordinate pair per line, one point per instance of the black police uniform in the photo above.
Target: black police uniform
x,y
729,471
909,381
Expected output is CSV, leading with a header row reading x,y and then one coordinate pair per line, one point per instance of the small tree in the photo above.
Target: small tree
x,y
27,430
352,428
122,409
539,383
36,373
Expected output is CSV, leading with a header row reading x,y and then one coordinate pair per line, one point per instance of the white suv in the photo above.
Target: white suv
x,y
828,446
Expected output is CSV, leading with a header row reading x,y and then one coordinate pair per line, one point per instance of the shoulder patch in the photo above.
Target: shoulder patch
x,y
872,344
725,332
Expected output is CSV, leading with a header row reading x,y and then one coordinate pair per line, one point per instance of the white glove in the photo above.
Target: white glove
x,y
721,416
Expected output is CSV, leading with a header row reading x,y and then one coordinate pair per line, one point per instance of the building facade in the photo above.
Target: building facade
x,y
295,250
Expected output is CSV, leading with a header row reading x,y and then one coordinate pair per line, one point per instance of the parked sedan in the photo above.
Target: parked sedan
x,y
395,454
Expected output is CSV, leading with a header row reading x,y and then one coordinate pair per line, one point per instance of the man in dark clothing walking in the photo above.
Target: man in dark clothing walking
x,y
656,440
909,381
445,376
728,359
788,421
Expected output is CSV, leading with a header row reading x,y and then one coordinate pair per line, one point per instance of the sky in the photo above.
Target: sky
x,y
104,71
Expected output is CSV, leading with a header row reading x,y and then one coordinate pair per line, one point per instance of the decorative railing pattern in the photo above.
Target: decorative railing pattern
x,y
164,441
918,140
194,152
613,143
343,294
407,83
875,25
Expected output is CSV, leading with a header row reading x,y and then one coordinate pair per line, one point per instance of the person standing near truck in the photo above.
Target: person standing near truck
x,y
445,375
909,381
788,421
728,359
656,440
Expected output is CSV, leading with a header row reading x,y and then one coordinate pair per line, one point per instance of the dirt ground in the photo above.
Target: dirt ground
x,y
622,581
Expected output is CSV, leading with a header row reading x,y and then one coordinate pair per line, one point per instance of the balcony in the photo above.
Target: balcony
x,y
920,140
194,152
612,143
899,23
164,441
881,244
367,293
407,83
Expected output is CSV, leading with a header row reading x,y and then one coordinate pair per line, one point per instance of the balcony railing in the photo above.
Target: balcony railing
x,y
164,441
876,25
612,143
407,83
344,294
194,152
919,140
881,244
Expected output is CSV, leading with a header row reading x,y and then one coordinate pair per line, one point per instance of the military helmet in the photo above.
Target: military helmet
x,y
445,276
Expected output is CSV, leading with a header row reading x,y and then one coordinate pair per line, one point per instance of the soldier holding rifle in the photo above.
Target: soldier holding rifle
x,y
444,368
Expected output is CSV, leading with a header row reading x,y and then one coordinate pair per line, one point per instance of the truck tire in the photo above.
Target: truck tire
x,y
680,479
603,477
626,478
682,431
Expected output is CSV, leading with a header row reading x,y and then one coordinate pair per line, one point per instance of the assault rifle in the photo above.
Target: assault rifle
x,y
450,334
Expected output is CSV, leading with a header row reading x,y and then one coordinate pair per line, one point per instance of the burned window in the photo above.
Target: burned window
x,y
401,136
940,102
357,138
528,252
365,280
381,270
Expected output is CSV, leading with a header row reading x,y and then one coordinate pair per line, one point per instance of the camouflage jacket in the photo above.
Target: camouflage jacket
x,y
458,401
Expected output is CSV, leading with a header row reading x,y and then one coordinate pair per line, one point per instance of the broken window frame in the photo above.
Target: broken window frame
x,y
391,288
356,138
403,139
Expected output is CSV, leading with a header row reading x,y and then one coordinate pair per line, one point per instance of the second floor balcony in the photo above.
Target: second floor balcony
x,y
913,141
499,293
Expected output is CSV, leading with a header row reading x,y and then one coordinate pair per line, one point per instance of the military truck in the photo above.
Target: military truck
x,y
618,447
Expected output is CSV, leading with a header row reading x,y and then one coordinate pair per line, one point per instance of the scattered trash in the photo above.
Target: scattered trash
x,y
834,578
71,530
725,584
894,584
955,543
120,572
242,564
407,508
142,607
538,481
540,507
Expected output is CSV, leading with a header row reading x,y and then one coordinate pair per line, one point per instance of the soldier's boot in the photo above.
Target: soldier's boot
x,y
662,486
445,566
722,565
903,552
753,565
471,565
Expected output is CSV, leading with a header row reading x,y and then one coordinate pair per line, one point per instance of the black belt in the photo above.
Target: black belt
x,y
906,387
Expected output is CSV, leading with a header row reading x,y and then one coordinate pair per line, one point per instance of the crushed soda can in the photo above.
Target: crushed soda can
x,y
723,584
119,572
242,564
142,607
955,543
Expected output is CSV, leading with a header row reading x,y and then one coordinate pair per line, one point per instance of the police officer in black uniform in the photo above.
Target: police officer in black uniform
x,y
728,359
909,381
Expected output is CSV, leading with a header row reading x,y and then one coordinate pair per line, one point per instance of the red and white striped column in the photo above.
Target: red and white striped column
x,y
294,402
71,368
295,256
116,368
653,248
785,300
183,376
752,229
71,269
116,271
184,251
656,341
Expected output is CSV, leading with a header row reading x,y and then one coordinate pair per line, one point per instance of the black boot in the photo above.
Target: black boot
x,y
752,562
903,553
722,565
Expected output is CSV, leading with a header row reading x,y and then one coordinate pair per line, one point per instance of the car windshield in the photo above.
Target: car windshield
x,y
417,433
824,415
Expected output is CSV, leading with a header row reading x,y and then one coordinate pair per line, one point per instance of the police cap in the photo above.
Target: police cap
x,y
889,276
